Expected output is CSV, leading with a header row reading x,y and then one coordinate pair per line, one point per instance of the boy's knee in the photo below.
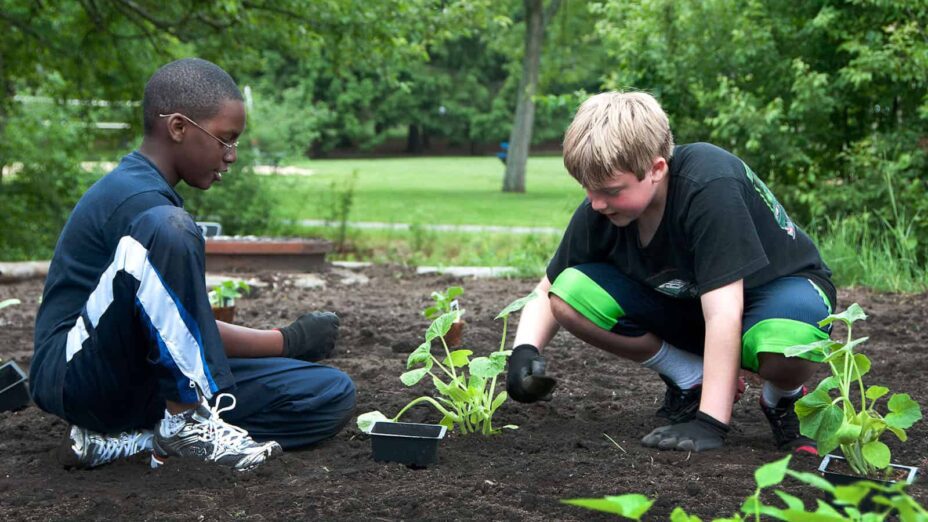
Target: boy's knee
x,y
778,368
563,313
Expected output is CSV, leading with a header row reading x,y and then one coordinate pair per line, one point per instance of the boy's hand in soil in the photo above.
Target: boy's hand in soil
x,y
700,434
526,380
311,337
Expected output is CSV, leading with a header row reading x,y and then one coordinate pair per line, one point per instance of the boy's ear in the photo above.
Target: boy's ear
x,y
659,169
176,127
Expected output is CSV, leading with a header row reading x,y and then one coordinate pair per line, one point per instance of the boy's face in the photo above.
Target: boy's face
x,y
624,198
203,158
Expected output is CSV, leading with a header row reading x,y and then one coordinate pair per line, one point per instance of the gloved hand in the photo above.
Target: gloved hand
x,y
311,337
700,434
526,380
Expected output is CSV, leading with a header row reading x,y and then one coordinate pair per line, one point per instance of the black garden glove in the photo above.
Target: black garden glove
x,y
700,434
311,337
526,380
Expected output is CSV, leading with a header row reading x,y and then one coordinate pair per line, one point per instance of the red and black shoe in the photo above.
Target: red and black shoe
x,y
785,425
681,405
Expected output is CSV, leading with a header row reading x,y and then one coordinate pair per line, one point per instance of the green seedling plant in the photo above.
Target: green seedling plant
x,y
445,303
466,387
225,293
890,502
842,410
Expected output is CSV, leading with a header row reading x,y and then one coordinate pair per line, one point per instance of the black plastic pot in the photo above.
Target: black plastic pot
x,y
413,444
840,479
14,394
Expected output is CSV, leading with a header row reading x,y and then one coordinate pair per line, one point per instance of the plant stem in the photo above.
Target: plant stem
x,y
448,354
429,400
502,346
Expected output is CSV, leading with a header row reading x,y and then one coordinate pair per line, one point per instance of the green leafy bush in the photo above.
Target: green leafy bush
x,y
225,293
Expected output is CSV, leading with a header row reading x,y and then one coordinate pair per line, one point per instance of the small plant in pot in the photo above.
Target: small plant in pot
x,y
222,298
446,303
842,412
466,387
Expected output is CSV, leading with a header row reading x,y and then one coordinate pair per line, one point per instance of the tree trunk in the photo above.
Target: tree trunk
x,y
413,140
521,137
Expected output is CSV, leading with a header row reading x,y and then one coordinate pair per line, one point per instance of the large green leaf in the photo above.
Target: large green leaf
x,y
459,358
440,326
632,506
412,377
486,367
876,453
792,502
419,355
516,305
904,411
852,314
772,473
818,417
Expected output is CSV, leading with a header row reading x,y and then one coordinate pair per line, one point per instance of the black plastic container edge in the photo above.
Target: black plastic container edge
x,y
840,479
14,394
412,444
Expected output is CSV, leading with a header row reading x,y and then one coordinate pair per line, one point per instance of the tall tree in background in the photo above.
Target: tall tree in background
x,y
536,17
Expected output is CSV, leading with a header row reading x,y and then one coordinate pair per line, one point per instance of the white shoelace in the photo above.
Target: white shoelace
x,y
223,434
123,445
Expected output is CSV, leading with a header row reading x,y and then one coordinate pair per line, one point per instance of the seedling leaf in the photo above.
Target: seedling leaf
x,y
367,420
459,358
419,355
678,515
820,418
817,346
903,411
851,495
852,314
632,506
516,305
875,392
772,473
412,377
440,326
876,453
9,302
791,501
498,401
812,480
486,367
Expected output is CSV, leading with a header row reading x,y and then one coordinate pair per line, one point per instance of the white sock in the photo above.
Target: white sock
x,y
171,424
771,394
681,367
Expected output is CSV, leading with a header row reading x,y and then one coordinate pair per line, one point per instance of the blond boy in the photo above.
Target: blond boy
x,y
682,260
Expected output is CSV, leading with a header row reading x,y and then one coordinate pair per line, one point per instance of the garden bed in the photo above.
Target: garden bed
x,y
558,452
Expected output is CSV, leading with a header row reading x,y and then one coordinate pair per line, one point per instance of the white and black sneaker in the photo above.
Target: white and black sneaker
x,y
85,449
200,433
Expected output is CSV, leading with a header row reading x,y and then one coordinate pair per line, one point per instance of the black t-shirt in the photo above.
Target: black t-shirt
x,y
721,223
84,250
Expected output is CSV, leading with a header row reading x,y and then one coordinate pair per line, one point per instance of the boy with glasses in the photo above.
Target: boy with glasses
x,y
126,347
682,260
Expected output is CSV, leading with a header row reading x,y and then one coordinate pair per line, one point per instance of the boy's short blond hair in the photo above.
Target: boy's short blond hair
x,y
612,131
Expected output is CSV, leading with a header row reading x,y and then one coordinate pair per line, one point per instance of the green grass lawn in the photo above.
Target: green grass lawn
x,y
444,190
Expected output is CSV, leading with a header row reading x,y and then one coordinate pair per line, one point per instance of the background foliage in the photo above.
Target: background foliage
x,y
825,99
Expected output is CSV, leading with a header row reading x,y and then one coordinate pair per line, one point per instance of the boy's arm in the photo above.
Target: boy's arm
x,y
722,309
241,341
525,379
536,322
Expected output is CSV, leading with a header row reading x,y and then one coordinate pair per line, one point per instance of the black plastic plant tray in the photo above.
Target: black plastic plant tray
x,y
412,444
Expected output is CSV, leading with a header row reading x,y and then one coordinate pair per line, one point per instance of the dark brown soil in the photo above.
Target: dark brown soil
x,y
559,451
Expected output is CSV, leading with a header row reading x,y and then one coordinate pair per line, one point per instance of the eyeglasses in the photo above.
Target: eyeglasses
x,y
229,147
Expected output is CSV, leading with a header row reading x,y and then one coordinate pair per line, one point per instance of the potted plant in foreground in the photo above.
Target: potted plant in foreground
x,y
445,303
841,412
222,298
467,397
